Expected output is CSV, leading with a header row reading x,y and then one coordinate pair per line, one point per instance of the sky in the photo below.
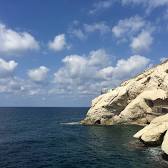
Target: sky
x,y
62,53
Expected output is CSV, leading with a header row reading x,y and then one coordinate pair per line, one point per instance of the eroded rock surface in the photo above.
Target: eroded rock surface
x,y
164,146
136,101
153,133
156,133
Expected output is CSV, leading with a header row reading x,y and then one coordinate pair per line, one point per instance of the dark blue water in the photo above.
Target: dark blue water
x,y
40,138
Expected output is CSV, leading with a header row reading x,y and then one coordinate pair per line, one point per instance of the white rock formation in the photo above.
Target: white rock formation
x,y
135,101
164,146
155,133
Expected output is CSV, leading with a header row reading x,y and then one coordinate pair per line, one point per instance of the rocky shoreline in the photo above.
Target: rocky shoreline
x,y
142,100
156,133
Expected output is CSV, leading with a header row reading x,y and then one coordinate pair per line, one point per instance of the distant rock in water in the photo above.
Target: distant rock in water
x,y
136,101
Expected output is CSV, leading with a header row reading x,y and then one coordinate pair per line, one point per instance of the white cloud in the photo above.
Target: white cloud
x,y
163,59
59,43
7,68
88,74
38,74
98,58
128,26
10,85
13,42
100,5
136,31
21,87
142,42
80,67
78,33
99,26
79,74
83,31
149,4
124,68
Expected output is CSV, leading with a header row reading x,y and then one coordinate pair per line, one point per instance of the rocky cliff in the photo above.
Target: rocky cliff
x,y
136,101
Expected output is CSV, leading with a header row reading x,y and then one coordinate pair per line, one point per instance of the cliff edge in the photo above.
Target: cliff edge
x,y
136,101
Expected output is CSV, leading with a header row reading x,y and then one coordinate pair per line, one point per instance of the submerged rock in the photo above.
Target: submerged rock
x,y
136,101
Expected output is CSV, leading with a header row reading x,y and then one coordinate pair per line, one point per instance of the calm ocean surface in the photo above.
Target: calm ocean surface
x,y
41,138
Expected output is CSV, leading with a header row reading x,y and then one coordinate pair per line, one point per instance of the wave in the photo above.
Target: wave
x,y
71,123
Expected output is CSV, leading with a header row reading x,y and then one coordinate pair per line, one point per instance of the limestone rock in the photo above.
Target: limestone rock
x,y
136,101
164,146
156,133
153,133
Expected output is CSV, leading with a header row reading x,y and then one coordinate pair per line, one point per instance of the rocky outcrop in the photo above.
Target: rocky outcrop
x,y
164,146
136,101
155,133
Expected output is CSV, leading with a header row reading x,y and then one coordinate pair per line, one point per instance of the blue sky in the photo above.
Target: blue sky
x,y
61,53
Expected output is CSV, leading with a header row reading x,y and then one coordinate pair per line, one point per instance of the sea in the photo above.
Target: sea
x,y
53,138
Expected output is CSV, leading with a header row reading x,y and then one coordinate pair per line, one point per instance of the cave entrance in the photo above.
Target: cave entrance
x,y
161,110
97,122
160,106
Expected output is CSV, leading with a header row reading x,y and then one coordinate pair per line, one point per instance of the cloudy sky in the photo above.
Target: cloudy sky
x,y
61,53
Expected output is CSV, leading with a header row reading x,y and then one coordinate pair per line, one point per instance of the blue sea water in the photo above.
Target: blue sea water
x,y
50,138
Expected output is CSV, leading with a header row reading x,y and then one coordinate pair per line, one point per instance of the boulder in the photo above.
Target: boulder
x,y
133,102
164,146
153,133
156,133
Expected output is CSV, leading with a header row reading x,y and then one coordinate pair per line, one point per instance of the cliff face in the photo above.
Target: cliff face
x,y
136,101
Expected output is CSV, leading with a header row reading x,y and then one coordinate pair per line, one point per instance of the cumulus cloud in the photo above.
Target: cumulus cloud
x,y
128,26
7,68
13,42
78,33
136,31
21,87
101,5
142,42
88,74
79,74
59,43
80,67
9,85
38,74
99,26
125,68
